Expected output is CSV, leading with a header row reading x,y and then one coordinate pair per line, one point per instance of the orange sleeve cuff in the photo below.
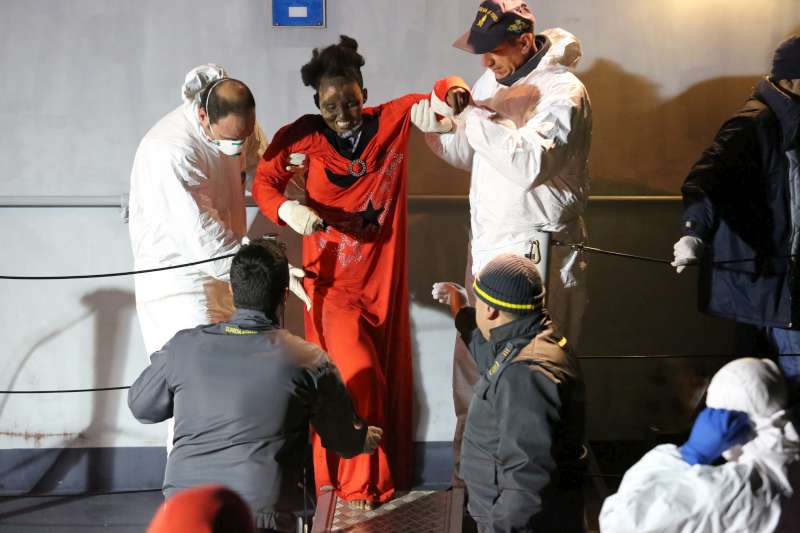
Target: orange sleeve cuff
x,y
441,87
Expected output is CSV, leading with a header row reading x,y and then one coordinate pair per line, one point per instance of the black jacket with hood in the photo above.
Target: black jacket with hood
x,y
742,199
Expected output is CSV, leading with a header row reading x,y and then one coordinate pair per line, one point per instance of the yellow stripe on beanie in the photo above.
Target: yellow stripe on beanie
x,y
497,301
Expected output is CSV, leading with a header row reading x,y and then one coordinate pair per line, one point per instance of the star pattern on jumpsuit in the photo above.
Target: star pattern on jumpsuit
x,y
370,216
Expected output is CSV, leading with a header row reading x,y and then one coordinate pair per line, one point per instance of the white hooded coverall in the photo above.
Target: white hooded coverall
x,y
751,493
187,203
527,147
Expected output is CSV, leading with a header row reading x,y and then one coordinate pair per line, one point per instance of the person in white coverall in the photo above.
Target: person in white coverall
x,y
187,203
674,489
526,141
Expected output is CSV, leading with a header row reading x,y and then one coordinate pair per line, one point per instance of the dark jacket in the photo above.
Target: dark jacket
x,y
738,198
522,457
242,394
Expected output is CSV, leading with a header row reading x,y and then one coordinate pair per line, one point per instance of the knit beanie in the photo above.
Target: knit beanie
x,y
206,509
510,283
786,61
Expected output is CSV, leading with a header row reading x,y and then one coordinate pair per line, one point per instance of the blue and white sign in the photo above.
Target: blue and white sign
x,y
298,13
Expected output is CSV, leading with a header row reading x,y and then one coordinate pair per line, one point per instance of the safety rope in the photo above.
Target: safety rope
x,y
582,247
574,246
582,357
117,274
662,356
81,495
65,391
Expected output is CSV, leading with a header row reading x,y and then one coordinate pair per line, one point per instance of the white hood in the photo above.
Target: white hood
x,y
198,79
565,48
757,387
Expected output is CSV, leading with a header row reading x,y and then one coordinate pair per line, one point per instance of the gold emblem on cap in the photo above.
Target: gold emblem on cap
x,y
517,26
481,20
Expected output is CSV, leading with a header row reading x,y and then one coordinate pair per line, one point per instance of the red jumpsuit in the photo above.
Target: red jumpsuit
x,y
356,276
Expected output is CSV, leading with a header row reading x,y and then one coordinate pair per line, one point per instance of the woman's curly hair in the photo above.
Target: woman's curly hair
x,y
337,60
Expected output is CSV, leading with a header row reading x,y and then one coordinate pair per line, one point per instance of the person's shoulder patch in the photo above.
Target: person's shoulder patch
x,y
235,330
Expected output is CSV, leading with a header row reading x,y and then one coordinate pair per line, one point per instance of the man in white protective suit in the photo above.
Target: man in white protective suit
x,y
187,203
526,142
677,489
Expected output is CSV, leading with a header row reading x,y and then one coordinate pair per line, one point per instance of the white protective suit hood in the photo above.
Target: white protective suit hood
x,y
195,82
565,48
750,493
757,387
754,386
198,79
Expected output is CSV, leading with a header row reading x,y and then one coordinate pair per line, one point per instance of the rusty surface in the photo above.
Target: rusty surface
x,y
412,512
37,437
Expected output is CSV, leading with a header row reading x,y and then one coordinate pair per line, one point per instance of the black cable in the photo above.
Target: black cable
x,y
116,274
588,357
78,494
581,247
62,391
575,246
662,356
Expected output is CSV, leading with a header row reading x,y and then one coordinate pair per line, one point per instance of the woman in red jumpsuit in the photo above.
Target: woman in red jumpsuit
x,y
354,254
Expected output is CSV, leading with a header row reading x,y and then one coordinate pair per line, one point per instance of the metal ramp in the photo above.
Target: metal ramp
x,y
411,512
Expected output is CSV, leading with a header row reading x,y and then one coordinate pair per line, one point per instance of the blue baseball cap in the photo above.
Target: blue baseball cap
x,y
496,22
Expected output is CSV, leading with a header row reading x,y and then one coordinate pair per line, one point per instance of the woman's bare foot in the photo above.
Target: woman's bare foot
x,y
362,505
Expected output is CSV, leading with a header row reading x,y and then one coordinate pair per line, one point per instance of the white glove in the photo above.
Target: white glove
x,y
299,217
449,293
440,107
688,250
297,162
424,118
296,276
296,187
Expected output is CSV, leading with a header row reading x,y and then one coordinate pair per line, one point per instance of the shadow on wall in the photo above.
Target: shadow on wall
x,y
644,145
438,234
12,380
111,329
641,143
437,251
111,309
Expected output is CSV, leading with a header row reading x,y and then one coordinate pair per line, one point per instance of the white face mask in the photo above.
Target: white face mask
x,y
226,146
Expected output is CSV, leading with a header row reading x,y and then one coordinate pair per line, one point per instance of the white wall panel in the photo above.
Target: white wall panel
x,y
83,80
84,334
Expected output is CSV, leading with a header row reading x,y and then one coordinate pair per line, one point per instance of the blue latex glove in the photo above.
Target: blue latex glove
x,y
714,431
